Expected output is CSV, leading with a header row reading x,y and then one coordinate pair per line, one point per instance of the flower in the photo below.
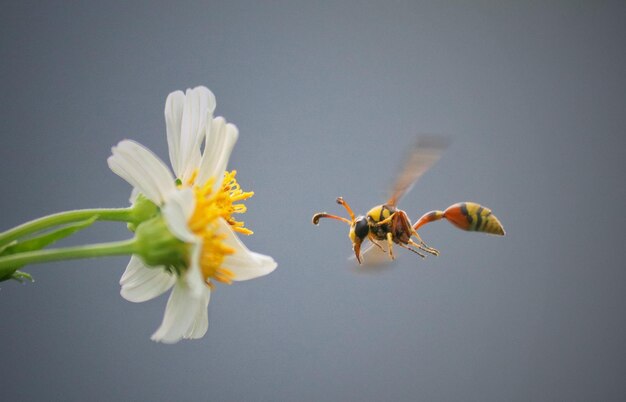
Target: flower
x,y
197,203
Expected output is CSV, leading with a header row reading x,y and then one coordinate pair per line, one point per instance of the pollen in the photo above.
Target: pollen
x,y
231,193
210,206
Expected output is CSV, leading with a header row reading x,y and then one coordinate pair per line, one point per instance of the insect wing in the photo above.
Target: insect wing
x,y
372,256
425,153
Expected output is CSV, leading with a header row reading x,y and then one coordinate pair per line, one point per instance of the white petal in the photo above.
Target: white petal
x,y
198,109
201,322
141,283
193,277
135,271
212,149
177,212
221,138
133,195
173,117
245,264
180,315
230,138
143,170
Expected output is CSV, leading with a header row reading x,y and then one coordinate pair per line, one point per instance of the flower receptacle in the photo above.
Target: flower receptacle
x,y
157,246
142,210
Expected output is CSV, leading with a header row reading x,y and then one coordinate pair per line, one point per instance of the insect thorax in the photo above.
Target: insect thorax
x,y
377,214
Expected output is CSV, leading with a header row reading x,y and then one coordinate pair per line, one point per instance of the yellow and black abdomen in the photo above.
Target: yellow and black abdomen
x,y
467,216
474,217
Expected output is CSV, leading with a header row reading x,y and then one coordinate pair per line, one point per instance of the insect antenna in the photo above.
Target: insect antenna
x,y
318,216
343,203
340,201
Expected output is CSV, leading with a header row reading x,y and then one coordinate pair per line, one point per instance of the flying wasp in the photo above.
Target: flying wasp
x,y
386,224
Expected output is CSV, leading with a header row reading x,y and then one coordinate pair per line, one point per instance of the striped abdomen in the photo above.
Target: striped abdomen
x,y
467,216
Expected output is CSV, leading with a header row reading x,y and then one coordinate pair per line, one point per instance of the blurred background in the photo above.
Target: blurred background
x,y
328,97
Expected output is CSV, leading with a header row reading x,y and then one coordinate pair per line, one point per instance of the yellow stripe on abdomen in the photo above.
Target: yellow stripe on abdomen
x,y
473,217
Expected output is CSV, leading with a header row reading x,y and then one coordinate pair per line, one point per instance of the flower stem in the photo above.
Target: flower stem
x,y
9,263
104,214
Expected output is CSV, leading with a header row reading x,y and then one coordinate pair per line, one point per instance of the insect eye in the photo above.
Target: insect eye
x,y
361,228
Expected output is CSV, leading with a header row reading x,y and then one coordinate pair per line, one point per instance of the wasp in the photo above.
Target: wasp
x,y
386,224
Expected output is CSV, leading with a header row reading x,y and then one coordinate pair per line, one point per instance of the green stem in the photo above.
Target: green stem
x,y
9,263
104,214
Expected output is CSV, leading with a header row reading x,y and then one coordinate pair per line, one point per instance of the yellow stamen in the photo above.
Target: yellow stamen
x,y
210,206
231,192
192,179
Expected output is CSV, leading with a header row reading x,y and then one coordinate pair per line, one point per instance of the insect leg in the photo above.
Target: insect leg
x,y
425,248
411,249
376,243
390,243
423,245
384,221
409,230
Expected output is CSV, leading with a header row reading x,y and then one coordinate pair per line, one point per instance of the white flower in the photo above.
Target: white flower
x,y
197,202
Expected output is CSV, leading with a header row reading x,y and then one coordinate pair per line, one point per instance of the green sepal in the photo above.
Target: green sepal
x,y
21,276
157,246
142,210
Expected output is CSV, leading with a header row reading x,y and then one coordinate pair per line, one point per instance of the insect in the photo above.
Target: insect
x,y
386,224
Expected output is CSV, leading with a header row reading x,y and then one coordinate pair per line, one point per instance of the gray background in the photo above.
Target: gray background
x,y
327,98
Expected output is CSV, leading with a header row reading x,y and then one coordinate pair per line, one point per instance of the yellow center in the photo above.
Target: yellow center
x,y
210,206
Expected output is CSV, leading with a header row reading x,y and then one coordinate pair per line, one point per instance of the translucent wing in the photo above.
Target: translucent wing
x,y
425,153
372,256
